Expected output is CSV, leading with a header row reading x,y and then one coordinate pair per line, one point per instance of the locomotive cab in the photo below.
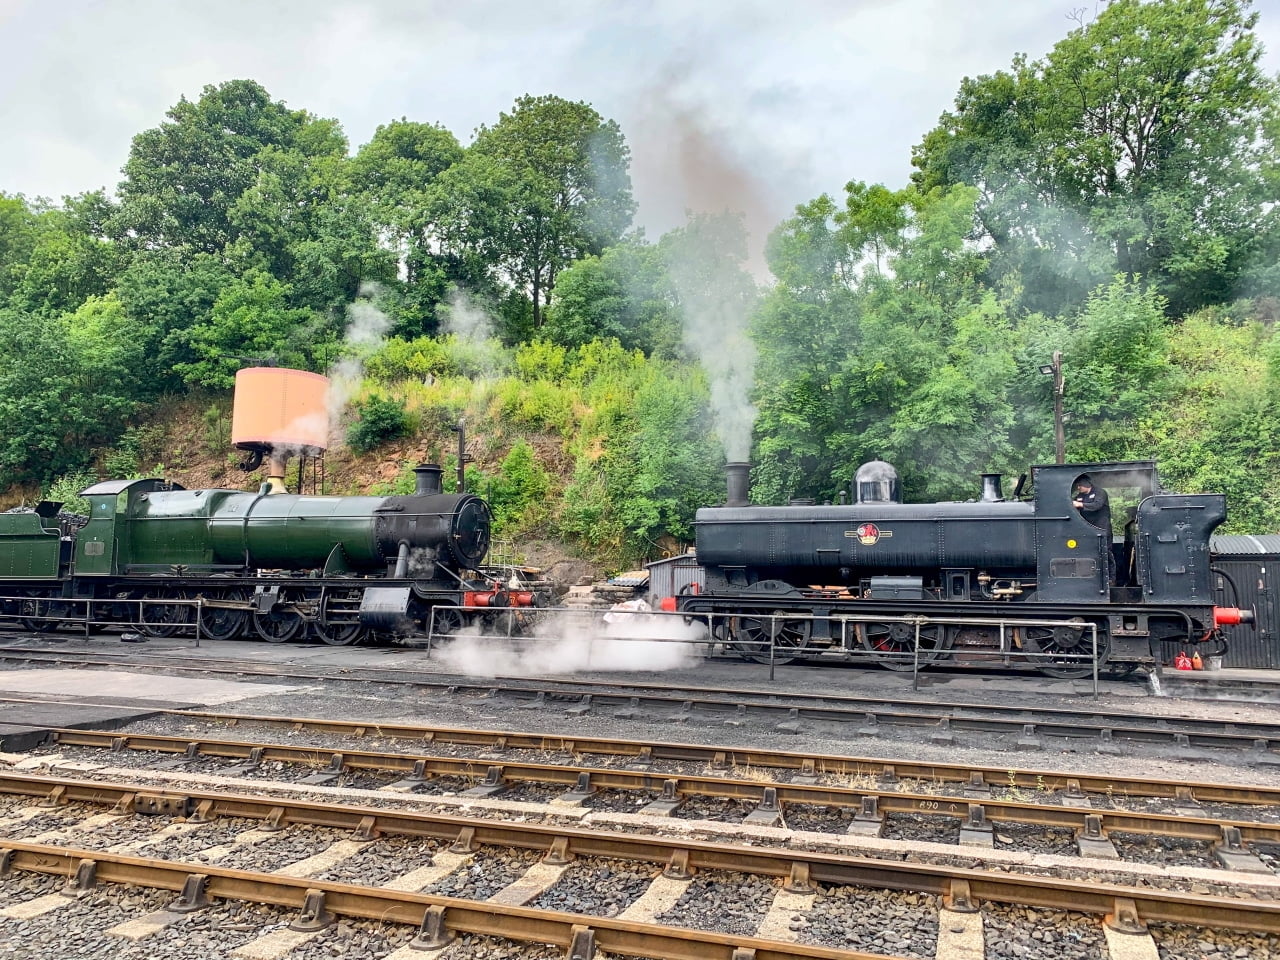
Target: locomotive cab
x,y
1161,556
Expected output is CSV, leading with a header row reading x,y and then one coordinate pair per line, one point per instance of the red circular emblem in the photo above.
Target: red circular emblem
x,y
868,534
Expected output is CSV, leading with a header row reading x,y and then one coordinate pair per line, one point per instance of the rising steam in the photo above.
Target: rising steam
x,y
716,298
367,328
471,324
568,644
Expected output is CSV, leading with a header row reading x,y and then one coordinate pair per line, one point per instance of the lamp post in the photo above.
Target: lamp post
x,y
460,428
1054,370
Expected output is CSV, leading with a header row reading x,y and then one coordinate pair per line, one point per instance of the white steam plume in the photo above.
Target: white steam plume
x,y
367,328
473,326
716,298
568,645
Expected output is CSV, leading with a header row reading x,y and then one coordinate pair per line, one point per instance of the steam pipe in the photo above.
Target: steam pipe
x,y
402,561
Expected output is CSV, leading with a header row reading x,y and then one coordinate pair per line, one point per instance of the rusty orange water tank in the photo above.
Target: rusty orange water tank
x,y
278,407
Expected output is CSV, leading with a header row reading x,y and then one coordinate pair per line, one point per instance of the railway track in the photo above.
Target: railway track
x,y
542,851
786,712
1222,835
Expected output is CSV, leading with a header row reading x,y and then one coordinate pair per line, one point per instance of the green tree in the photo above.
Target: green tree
x,y
1118,360
251,322
18,234
1140,144
878,342
67,384
397,174
183,178
166,293
624,293
558,173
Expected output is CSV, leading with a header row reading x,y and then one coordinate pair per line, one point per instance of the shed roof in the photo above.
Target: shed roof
x,y
1237,544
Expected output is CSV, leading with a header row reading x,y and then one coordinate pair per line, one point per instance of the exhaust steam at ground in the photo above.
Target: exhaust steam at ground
x,y
568,644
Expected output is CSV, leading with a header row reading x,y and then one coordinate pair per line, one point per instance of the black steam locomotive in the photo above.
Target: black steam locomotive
x,y
279,565
919,583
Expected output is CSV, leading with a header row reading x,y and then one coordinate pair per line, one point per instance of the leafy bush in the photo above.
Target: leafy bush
x,y
381,419
66,490
518,494
540,405
135,447
419,358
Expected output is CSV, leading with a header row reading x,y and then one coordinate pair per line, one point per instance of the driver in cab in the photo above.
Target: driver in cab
x,y
1092,503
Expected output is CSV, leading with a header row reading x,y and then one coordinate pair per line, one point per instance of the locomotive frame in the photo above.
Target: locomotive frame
x,y
805,581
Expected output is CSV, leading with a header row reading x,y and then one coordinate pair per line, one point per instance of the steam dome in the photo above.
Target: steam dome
x,y
877,482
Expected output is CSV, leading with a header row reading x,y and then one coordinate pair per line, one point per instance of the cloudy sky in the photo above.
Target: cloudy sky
x,y
753,104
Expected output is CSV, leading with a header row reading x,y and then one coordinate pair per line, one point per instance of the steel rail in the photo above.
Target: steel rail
x,y
438,917
805,763
713,702
585,779
957,885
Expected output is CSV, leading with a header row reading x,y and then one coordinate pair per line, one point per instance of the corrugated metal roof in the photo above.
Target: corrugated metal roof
x,y
1237,545
633,578
690,559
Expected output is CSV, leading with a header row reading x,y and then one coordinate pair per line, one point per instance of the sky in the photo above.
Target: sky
x,y
753,105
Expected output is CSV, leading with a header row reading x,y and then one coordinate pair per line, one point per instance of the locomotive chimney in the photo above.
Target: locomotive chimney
x,y
991,488
427,483
738,481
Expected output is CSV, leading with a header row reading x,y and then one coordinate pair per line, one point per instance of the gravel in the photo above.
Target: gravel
x,y
724,902
288,846
720,809
1060,841
910,826
873,921
1168,851
803,816
383,860
598,888
485,874
56,818
1027,933
475,947
78,930
1200,943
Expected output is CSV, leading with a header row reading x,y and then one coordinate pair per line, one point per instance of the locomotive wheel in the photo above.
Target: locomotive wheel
x,y
447,621
339,622
160,618
219,623
1065,640
33,611
752,636
892,645
278,626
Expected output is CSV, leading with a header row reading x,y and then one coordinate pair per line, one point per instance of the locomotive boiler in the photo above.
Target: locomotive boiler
x,y
1018,575
282,564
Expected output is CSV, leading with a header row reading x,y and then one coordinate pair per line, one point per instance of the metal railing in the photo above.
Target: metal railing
x,y
88,613
722,630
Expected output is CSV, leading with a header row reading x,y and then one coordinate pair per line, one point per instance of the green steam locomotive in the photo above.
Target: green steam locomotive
x,y
229,562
